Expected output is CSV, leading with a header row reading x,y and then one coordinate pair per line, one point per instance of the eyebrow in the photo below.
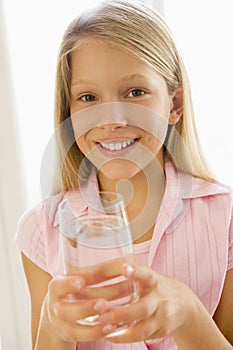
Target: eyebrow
x,y
125,78
82,82
134,76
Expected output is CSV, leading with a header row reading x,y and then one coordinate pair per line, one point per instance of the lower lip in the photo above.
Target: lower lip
x,y
116,154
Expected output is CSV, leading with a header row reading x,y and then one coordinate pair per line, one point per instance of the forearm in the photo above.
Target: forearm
x,y
201,333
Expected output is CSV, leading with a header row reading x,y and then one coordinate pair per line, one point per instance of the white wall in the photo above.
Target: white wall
x,y
14,299
203,31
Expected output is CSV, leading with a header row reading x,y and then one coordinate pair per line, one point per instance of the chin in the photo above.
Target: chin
x,y
120,170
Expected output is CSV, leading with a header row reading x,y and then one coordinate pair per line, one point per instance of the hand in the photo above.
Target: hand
x,y
164,306
60,315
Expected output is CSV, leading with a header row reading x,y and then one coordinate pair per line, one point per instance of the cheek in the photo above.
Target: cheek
x,y
153,144
161,105
82,145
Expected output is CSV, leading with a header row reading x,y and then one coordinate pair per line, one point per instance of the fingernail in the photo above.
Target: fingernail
x,y
99,306
129,269
108,328
105,318
77,284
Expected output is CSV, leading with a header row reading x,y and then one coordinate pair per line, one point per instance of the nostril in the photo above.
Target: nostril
x,y
112,126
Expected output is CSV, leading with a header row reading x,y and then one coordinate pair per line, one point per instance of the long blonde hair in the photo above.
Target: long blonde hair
x,y
140,30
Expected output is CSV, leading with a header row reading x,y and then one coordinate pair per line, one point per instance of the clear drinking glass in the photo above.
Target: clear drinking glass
x,y
100,235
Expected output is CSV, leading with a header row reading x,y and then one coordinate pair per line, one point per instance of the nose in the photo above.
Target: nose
x,y
112,117
110,127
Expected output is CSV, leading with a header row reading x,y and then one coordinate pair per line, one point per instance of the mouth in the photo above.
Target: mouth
x,y
117,145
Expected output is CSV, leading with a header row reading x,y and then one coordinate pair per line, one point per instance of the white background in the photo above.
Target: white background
x,y
203,31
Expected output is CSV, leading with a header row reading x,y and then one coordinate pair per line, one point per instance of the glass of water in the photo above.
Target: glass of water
x,y
101,234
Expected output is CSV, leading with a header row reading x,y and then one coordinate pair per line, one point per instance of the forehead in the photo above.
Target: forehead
x,y
92,55
97,46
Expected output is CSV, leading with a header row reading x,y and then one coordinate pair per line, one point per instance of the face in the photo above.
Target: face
x,y
103,74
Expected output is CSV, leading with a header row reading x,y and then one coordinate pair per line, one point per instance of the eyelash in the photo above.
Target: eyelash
x,y
83,98
142,92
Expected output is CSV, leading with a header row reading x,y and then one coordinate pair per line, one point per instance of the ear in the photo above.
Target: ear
x,y
176,106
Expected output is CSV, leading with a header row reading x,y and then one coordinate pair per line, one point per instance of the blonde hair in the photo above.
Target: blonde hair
x,y
140,30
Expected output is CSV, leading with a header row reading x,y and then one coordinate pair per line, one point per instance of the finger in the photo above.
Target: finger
x,y
74,311
139,331
146,276
60,286
102,272
92,333
118,289
73,332
139,310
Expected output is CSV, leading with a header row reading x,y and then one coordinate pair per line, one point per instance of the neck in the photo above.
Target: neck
x,y
143,194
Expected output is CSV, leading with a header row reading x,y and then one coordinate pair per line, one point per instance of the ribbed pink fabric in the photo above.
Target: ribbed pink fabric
x,y
192,241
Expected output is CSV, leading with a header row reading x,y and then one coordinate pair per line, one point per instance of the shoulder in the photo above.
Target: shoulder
x,y
44,210
215,196
200,189
203,188
34,228
191,187
211,204
198,200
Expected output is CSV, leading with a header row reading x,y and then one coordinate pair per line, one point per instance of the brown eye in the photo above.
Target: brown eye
x,y
88,98
136,93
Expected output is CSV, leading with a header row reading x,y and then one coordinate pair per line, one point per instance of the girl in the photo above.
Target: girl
x,y
120,59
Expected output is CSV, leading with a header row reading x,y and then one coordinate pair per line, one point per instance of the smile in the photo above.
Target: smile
x,y
118,145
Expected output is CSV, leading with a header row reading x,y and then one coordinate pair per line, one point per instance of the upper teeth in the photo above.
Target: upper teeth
x,y
117,146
